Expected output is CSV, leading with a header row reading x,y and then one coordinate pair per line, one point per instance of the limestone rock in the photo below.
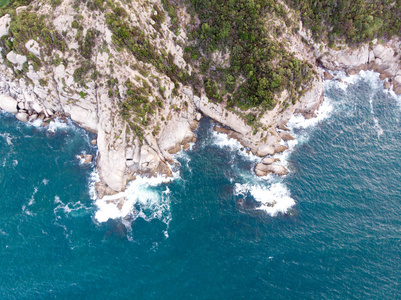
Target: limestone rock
x,y
33,47
16,59
176,132
8,103
4,24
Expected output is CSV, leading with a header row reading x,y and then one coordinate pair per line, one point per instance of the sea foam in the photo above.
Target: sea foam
x,y
140,199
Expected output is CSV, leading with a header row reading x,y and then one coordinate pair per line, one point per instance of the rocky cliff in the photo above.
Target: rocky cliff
x,y
119,70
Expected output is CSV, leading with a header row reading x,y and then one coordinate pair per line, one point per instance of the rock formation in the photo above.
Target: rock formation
x,y
36,82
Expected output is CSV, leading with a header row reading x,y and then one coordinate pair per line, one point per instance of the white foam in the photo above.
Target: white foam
x,y
45,181
37,123
298,121
377,126
8,138
222,140
140,199
57,125
273,199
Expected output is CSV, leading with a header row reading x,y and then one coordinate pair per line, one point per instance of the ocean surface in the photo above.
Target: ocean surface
x,y
331,229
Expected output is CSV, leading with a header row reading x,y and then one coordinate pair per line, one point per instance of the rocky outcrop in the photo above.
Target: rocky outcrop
x,y
4,25
381,58
263,170
8,103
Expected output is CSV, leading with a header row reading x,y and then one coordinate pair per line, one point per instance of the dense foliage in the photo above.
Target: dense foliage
x,y
355,20
265,68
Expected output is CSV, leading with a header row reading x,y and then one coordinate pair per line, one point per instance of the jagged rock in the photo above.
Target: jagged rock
x,y
186,146
103,190
280,148
264,150
8,103
327,76
33,117
175,149
387,85
22,116
282,126
286,136
269,160
382,76
21,105
49,112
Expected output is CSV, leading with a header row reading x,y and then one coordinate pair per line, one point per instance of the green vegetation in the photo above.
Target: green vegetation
x,y
261,63
354,20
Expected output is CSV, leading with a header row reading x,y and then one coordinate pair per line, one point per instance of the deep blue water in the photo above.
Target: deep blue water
x,y
342,238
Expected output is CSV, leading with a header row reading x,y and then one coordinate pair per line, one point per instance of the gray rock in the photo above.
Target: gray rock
x,y
8,103
33,117
22,116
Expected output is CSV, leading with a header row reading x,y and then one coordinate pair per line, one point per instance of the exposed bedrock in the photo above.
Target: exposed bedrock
x,y
384,59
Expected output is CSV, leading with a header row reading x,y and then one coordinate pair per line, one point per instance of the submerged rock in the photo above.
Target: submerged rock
x,y
88,158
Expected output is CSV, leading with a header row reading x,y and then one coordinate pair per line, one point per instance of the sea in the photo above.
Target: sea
x,y
330,229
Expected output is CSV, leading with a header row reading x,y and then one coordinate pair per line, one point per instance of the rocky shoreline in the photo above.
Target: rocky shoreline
x,y
52,91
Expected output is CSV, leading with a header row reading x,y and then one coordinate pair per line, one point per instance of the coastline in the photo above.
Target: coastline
x,y
124,155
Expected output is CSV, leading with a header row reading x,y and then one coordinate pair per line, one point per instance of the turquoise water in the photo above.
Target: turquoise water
x,y
197,236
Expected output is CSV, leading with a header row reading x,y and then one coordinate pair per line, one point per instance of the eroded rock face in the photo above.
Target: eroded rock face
x,y
383,59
